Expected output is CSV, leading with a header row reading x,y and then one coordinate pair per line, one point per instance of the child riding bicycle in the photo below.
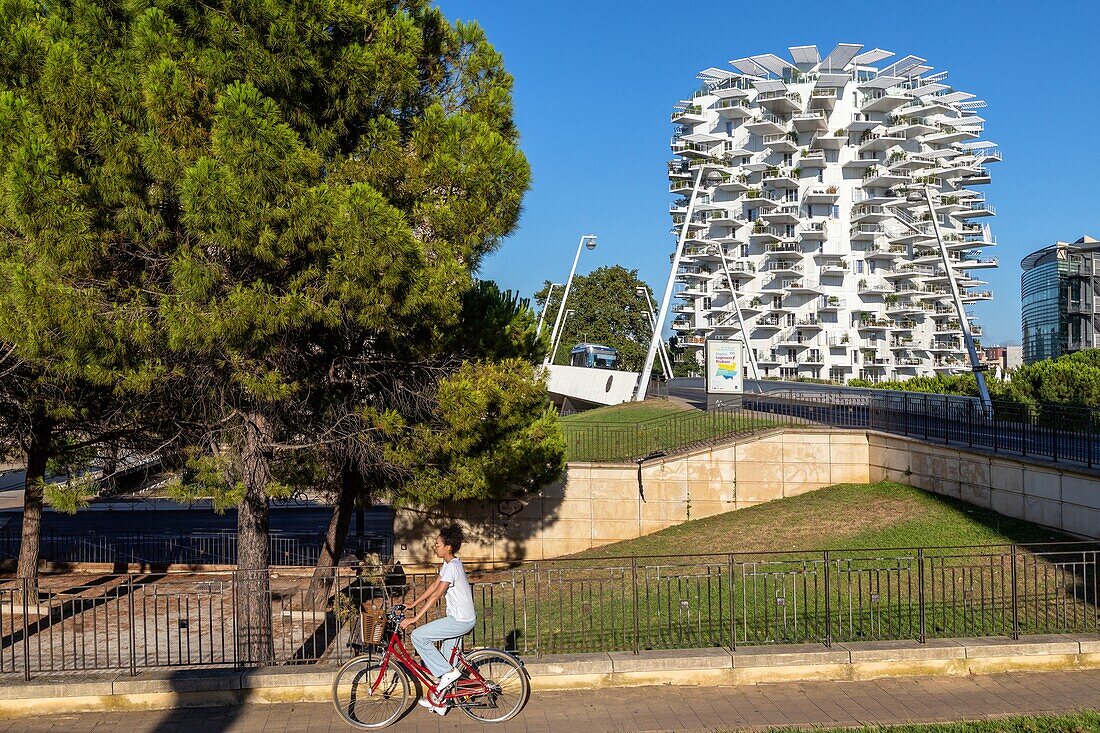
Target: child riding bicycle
x,y
453,584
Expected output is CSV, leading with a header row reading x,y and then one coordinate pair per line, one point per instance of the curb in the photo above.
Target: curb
x,y
79,692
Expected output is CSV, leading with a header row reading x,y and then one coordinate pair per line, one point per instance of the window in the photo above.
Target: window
x,y
788,159
835,213
859,266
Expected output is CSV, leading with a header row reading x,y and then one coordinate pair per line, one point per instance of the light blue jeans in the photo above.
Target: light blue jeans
x,y
447,630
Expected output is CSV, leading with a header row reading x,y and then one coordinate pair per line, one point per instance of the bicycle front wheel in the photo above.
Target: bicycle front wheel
x,y
509,687
366,697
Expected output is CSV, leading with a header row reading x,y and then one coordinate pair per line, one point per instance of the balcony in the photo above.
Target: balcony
x,y
780,102
763,233
803,285
731,109
786,215
884,178
781,177
835,267
975,295
691,149
767,124
823,98
770,322
1083,306
814,121
874,287
812,158
785,267
827,195
875,141
813,232
831,303
782,143
778,249
867,231
866,213
838,340
976,210
691,114
883,100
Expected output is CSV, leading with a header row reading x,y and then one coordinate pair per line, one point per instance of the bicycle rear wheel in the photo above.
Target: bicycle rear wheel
x,y
364,704
509,687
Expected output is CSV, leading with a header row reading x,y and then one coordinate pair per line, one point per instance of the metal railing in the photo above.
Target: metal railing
x,y
1047,431
179,547
1054,432
247,618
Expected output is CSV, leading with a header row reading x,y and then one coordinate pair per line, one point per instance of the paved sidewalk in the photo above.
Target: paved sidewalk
x,y
887,701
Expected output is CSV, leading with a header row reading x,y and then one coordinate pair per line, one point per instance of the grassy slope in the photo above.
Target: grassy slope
x,y
628,412
842,516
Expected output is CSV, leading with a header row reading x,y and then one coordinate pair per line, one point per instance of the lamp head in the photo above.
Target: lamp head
x,y
589,241
713,178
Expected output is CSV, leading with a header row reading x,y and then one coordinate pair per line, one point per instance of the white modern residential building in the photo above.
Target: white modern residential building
x,y
811,202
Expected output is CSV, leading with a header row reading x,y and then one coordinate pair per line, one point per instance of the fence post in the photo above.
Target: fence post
x,y
133,636
828,603
733,606
538,602
920,595
634,606
970,423
993,420
233,608
924,415
1054,439
1088,436
27,628
1015,599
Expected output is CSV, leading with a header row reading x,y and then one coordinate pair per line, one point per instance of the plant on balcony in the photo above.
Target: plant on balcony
x,y
833,300
755,302
759,226
891,299
844,339
831,189
796,172
863,284
752,193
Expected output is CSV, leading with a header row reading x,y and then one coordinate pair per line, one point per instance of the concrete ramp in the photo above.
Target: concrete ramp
x,y
590,386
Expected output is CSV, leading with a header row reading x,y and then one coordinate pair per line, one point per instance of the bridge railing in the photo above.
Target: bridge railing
x,y
1055,432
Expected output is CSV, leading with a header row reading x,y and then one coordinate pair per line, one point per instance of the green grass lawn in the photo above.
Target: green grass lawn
x,y
628,412
633,429
1083,722
881,515
667,589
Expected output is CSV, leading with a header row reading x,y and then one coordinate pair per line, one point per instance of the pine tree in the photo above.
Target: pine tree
x,y
268,201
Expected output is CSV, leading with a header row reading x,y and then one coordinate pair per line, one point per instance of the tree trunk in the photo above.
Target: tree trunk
x,y
351,487
253,592
38,451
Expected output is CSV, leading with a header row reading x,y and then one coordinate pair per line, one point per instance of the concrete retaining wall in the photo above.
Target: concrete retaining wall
x,y
597,504
1052,496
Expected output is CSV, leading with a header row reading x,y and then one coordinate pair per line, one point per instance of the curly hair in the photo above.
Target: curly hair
x,y
452,537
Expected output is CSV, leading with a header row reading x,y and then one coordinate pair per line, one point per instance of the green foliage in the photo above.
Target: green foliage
x,y
264,221
1071,380
491,434
608,310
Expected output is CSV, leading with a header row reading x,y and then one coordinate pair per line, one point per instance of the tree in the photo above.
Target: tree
x,y
608,310
286,203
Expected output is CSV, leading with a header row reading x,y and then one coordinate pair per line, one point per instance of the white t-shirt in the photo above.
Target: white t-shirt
x,y
460,599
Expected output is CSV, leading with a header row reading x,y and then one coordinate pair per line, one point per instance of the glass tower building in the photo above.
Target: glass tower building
x,y
1060,310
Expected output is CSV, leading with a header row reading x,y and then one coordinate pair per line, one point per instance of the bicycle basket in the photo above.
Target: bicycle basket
x,y
373,622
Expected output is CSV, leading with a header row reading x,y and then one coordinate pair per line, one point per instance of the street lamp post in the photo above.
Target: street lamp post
x,y
589,241
666,362
554,351
662,313
546,306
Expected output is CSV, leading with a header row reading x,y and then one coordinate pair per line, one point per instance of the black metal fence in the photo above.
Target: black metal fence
x,y
1054,432
179,547
138,621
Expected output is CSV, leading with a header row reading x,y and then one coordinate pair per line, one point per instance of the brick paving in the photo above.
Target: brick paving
x,y
887,701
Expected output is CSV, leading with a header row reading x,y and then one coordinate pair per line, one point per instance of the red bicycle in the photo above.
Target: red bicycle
x,y
373,692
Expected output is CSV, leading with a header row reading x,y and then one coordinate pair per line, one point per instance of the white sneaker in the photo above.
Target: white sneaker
x,y
447,679
424,702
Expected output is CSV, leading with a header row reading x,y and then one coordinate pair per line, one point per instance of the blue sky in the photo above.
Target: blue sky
x,y
596,81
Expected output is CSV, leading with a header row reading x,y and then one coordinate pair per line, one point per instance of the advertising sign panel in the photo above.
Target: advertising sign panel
x,y
725,366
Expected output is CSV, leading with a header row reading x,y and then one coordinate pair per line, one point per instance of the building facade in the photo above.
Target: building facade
x,y
806,238
1060,299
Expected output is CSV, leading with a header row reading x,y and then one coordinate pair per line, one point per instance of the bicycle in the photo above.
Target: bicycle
x,y
372,693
